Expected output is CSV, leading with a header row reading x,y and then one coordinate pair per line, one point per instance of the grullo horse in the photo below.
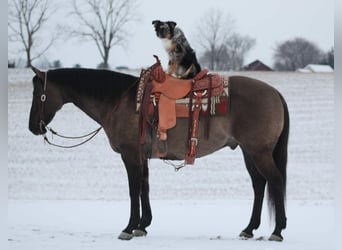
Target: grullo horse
x,y
257,122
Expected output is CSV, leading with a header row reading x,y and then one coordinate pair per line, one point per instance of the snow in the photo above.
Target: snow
x,y
78,198
176,224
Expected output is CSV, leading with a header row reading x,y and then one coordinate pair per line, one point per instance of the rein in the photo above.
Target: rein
x,y
53,132
91,134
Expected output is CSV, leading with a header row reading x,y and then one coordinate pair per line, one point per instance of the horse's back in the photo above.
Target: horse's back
x,y
252,89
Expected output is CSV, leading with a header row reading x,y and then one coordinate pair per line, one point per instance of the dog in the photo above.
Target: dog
x,y
182,58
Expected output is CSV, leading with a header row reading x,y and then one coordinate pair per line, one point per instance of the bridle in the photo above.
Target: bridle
x,y
42,106
42,124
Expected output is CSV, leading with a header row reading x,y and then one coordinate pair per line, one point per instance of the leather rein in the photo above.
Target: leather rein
x,y
42,125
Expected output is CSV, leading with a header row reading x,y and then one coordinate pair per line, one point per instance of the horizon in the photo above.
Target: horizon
x,y
312,20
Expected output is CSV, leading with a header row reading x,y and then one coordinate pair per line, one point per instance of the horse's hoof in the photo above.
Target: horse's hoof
x,y
139,233
125,236
275,237
245,235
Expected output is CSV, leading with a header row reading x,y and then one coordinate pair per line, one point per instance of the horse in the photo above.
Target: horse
x,y
257,122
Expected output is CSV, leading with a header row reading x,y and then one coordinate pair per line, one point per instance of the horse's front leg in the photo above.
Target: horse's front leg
x,y
146,216
135,173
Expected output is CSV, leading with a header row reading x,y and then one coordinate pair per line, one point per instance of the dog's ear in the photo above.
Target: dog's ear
x,y
155,22
172,24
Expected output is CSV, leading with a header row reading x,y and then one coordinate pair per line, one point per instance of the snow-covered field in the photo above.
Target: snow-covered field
x,y
78,198
177,224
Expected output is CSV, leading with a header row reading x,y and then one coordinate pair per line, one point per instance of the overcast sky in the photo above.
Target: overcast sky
x,y
268,21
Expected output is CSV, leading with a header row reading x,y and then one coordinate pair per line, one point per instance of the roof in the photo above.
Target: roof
x,y
257,65
316,68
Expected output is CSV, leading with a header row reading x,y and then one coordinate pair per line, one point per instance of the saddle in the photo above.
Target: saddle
x,y
167,97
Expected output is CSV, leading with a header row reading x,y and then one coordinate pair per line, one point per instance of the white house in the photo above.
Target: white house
x,y
316,68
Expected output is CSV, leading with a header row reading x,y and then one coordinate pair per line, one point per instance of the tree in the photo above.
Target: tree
x,y
105,23
328,58
25,21
230,56
212,32
223,49
77,66
11,64
237,47
56,64
297,53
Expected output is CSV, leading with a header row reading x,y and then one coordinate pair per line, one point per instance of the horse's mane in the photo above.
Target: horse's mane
x,y
97,83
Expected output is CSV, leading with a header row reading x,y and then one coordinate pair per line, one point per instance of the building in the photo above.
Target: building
x,y
316,68
257,66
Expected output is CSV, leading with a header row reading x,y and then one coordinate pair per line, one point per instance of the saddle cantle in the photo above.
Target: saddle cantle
x,y
172,97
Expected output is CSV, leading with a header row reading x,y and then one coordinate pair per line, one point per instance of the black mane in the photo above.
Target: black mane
x,y
103,84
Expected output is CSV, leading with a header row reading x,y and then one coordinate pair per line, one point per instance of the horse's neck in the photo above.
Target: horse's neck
x,y
95,109
102,111
98,103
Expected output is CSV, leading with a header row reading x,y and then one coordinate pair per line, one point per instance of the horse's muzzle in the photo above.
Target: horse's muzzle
x,y
37,129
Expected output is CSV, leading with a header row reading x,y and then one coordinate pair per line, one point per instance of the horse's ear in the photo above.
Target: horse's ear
x,y
39,73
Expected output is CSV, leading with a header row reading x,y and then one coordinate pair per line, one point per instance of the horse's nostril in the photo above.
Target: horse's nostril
x,y
36,129
42,127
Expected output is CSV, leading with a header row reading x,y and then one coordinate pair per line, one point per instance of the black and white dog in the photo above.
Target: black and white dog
x,y
182,58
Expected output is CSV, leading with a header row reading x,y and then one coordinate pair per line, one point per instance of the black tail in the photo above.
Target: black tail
x,y
280,157
280,151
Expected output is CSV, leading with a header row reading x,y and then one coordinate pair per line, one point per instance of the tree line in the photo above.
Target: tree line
x,y
105,23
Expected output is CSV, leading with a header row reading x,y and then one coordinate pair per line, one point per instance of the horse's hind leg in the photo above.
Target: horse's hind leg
x,y
267,168
259,183
146,216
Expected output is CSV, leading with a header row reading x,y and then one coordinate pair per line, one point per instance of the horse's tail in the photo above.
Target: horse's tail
x,y
280,150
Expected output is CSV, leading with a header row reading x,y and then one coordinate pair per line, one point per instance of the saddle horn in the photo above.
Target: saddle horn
x,y
157,59
157,71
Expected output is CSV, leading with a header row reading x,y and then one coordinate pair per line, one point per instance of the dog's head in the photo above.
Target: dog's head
x,y
164,29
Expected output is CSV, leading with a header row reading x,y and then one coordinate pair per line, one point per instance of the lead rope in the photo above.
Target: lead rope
x,y
91,134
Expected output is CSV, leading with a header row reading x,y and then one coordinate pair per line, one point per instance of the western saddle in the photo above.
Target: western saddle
x,y
164,97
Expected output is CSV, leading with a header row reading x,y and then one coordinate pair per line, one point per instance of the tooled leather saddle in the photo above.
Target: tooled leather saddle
x,y
163,98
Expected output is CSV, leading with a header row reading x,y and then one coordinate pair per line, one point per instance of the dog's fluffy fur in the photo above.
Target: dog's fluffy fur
x,y
182,58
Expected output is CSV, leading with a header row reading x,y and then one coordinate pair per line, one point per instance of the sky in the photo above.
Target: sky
x,y
270,22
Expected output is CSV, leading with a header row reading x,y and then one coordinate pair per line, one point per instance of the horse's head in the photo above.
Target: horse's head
x,y
47,100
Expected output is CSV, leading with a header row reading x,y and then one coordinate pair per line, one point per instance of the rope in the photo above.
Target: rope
x,y
91,134
177,167
72,137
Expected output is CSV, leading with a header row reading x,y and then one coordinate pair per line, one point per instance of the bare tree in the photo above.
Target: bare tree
x,y
25,20
297,53
223,49
237,48
105,22
328,57
212,32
